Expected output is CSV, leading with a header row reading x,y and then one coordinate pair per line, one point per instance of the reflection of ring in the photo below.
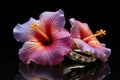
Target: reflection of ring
x,y
90,72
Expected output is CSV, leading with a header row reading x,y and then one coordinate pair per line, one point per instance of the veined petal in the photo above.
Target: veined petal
x,y
50,21
44,55
101,52
63,45
26,53
60,33
62,41
83,46
75,32
48,56
79,29
23,33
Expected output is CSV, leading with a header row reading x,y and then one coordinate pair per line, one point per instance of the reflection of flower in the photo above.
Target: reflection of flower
x,y
39,73
95,71
45,40
87,42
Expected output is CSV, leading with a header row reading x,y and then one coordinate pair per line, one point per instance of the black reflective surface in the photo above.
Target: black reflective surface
x,y
38,73
98,15
95,71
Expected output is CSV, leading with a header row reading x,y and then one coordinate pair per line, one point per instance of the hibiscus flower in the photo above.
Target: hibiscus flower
x,y
45,40
86,41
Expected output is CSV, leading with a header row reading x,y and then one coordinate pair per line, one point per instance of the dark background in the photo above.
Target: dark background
x,y
98,15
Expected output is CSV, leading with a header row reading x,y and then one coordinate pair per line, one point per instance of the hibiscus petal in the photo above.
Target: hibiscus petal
x,y
60,33
75,33
50,21
62,39
102,44
48,56
83,46
26,52
44,55
79,29
101,52
23,33
63,45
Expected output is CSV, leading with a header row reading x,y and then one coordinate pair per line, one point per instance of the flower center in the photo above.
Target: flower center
x,y
36,29
98,33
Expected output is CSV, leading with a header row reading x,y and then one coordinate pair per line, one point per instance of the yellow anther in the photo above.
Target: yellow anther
x,y
98,33
101,32
33,26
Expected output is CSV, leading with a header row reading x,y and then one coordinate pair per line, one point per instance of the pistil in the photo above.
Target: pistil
x,y
98,33
36,29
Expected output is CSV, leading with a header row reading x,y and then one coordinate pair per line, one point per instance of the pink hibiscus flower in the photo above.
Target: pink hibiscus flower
x,y
86,41
45,40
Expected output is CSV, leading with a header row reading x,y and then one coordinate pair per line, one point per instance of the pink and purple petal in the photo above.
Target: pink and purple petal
x,y
23,33
26,53
75,32
60,33
33,51
62,41
45,55
79,29
101,52
63,45
51,21
83,46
